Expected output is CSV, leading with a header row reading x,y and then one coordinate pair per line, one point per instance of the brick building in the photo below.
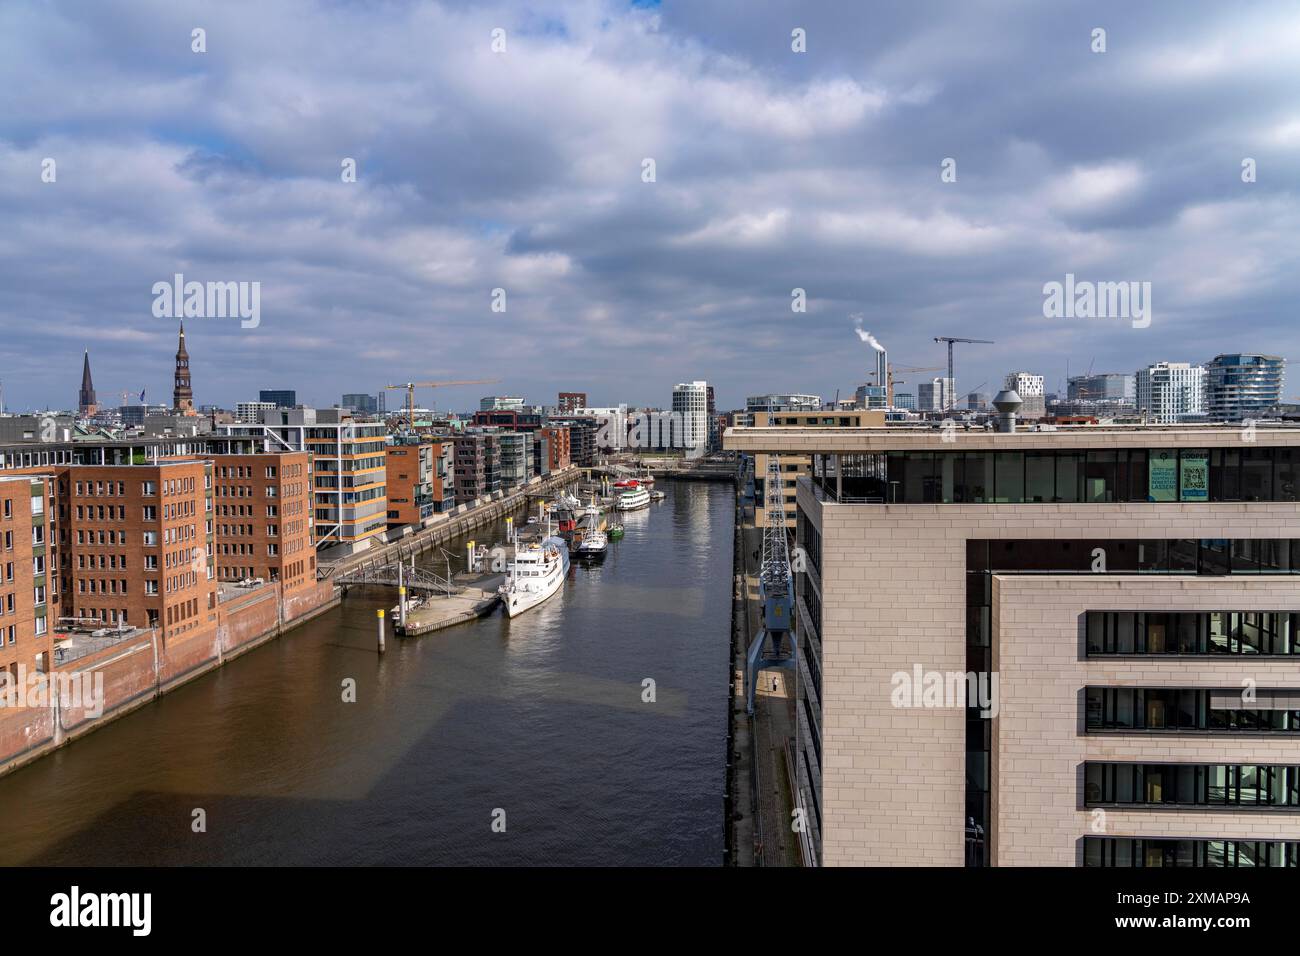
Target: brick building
x,y
262,518
28,586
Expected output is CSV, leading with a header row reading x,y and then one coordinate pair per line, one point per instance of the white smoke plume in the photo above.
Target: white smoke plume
x,y
863,334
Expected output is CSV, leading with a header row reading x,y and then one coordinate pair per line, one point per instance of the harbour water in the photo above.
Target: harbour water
x,y
539,723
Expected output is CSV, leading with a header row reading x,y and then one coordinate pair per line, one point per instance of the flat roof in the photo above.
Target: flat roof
x,y
808,440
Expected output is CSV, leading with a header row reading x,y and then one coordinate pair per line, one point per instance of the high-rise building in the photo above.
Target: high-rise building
x,y
934,395
1047,641
1243,386
182,393
571,401
86,402
516,458
691,417
905,400
1030,388
1169,392
279,398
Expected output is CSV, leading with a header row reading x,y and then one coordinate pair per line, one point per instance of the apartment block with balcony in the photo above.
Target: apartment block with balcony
x,y
412,469
478,466
1126,598
559,451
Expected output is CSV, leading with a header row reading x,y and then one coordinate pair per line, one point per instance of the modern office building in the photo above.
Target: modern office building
x,y
349,468
905,400
279,398
1032,393
1068,648
1169,392
871,396
691,413
1239,386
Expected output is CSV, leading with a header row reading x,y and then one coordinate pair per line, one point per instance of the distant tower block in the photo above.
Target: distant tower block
x,y
182,394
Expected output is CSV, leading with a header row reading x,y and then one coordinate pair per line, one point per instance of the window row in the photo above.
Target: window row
x,y
1074,476
1251,633
1136,556
1123,851
1192,785
1181,709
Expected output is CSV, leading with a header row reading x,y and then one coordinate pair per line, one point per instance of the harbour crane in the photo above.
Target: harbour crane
x,y
952,375
412,386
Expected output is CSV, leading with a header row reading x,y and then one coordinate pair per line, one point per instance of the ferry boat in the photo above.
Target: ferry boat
x,y
535,574
632,496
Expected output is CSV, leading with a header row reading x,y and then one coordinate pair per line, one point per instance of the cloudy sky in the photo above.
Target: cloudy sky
x,y
523,170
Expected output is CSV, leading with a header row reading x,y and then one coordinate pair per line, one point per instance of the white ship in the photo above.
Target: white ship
x,y
631,496
535,574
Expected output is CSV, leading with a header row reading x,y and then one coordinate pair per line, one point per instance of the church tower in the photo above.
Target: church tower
x,y
182,394
86,399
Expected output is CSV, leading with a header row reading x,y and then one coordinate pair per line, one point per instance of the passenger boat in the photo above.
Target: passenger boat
x,y
657,496
536,573
631,495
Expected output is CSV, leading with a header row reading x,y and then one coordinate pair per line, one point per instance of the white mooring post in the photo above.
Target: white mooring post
x,y
401,596
380,613
469,561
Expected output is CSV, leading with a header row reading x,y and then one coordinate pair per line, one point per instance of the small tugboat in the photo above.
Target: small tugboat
x,y
657,496
614,532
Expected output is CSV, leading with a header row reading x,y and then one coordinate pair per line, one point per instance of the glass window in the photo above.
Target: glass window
x,y
1257,474
1100,476
1069,476
1010,471
1162,475
1040,476
1286,472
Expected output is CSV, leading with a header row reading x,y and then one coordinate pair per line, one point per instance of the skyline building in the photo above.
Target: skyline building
x,y
1243,385
1169,392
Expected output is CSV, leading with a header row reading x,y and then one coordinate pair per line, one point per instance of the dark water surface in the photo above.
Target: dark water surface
x,y
541,717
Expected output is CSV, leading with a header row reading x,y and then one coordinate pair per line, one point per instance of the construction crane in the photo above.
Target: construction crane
x,y
412,386
952,373
889,391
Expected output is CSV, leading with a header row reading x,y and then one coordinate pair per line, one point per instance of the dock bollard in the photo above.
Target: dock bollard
x,y
380,613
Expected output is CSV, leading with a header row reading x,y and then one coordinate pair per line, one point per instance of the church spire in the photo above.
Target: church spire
x,y
182,394
86,402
